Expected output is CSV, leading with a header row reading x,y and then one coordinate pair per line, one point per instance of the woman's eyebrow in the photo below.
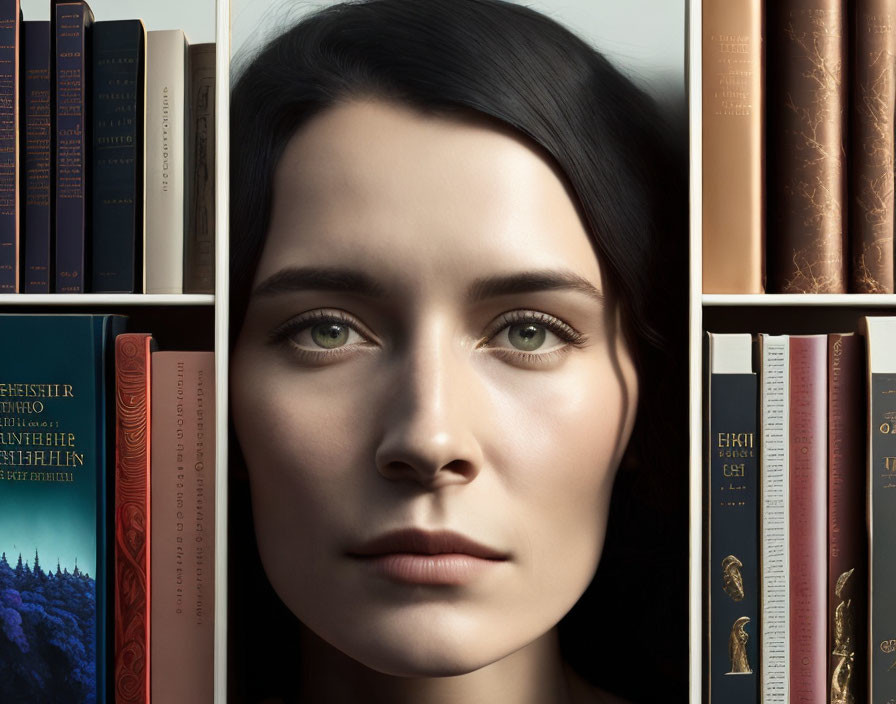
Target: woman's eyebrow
x,y
293,279
531,281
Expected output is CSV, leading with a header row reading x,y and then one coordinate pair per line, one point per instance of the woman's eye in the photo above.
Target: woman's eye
x,y
529,337
319,332
529,332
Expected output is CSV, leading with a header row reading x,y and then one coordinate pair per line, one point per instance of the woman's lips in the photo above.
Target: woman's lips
x,y
427,558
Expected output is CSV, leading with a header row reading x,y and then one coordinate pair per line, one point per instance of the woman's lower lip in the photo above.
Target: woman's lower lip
x,y
447,569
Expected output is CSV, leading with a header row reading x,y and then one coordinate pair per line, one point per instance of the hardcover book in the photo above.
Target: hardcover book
x,y
9,146
54,499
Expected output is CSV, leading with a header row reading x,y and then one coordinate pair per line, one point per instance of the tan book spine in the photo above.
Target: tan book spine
x,y
733,133
871,154
807,108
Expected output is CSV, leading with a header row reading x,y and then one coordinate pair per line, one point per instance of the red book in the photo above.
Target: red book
x,y
808,518
132,517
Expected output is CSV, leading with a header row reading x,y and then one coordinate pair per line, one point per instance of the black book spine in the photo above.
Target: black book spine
x,y
73,21
37,181
117,211
9,146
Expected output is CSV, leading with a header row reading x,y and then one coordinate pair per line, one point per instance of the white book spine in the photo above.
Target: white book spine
x,y
774,519
163,242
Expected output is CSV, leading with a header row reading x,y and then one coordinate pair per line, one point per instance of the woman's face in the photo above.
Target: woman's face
x,y
431,390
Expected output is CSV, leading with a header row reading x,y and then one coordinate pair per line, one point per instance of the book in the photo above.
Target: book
x,y
9,146
199,243
183,520
133,518
37,180
847,564
733,569
117,214
73,20
871,146
808,520
733,147
774,481
806,146
163,254
55,461
881,341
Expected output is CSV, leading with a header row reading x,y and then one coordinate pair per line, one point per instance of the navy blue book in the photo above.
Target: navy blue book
x,y
36,181
73,20
119,50
55,506
9,146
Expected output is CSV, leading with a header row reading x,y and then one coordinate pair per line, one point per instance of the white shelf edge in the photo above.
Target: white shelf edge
x,y
107,299
800,299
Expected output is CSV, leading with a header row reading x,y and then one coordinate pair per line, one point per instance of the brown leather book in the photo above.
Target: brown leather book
x,y
733,169
871,146
808,517
806,146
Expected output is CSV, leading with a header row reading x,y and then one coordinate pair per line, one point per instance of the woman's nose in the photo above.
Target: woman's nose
x,y
430,424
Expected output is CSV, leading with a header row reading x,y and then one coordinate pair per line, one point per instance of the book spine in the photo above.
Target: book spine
x,y
132,518
807,109
183,480
872,154
808,518
72,23
846,519
164,162
774,536
9,146
37,179
199,245
733,569
117,213
733,134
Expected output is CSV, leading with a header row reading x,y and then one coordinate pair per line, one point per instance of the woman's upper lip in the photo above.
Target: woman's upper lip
x,y
423,542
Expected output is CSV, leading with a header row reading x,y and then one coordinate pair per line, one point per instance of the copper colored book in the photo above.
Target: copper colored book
x,y
132,517
733,173
808,518
806,167
871,154
183,527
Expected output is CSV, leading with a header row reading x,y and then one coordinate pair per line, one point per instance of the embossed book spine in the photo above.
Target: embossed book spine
x,y
733,569
808,517
806,146
199,244
183,519
774,444
9,146
37,179
117,213
132,517
881,340
73,20
55,507
873,90
846,519
733,149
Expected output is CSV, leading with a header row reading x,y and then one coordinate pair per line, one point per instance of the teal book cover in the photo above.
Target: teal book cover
x,y
55,471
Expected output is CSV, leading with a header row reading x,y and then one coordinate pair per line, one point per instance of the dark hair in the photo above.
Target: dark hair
x,y
609,141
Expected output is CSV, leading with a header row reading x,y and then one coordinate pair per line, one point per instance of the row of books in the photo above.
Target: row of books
x,y
801,538
107,155
799,99
106,587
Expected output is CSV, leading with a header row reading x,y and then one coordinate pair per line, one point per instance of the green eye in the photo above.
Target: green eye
x,y
330,335
527,336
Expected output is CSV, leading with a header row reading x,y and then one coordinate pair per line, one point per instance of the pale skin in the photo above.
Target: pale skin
x,y
430,345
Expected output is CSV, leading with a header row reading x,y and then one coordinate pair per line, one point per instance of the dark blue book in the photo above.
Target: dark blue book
x,y
36,181
119,50
55,506
9,146
73,21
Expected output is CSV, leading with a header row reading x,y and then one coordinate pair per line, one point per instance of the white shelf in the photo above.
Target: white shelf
x,y
857,300
107,299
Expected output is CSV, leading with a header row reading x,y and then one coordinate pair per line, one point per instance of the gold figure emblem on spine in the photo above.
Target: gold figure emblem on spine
x,y
843,686
737,648
732,580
